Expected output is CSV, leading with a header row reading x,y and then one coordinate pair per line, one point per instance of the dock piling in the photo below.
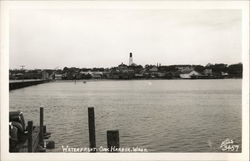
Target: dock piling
x,y
91,121
41,142
113,140
30,140
44,129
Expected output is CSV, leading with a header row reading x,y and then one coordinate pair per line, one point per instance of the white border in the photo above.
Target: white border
x,y
4,97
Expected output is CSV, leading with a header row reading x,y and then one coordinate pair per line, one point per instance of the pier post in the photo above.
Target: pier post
x,y
41,127
92,141
44,129
113,140
30,141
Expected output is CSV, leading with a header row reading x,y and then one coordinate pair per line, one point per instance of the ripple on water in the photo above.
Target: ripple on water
x,y
165,116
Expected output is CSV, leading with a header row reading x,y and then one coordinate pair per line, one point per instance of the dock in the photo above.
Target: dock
x,y
35,138
25,83
33,147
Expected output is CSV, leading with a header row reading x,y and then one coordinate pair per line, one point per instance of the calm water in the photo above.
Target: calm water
x,y
160,115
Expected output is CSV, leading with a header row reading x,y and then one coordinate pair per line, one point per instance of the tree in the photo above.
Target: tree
x,y
65,69
199,68
235,70
218,68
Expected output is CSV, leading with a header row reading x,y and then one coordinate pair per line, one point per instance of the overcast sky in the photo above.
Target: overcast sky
x,y
103,38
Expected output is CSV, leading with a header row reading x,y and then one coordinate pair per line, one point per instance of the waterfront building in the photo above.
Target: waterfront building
x,y
58,76
91,74
97,75
224,74
85,72
189,75
139,75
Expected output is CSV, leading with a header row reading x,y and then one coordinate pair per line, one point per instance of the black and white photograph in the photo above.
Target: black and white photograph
x,y
122,78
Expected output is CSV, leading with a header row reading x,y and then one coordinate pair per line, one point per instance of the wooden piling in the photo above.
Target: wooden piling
x,y
44,129
92,141
41,127
113,140
30,140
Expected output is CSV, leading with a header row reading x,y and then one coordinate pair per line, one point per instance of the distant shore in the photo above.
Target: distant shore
x,y
94,80
91,80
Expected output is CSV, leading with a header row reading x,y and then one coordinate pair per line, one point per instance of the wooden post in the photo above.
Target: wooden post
x,y
41,127
44,129
92,141
113,140
30,141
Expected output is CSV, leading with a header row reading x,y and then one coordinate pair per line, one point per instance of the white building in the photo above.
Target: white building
x,y
189,74
94,74
58,76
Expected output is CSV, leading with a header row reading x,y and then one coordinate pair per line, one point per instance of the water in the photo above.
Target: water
x,y
160,115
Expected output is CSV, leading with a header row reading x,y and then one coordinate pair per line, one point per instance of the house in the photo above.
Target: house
x,y
185,68
85,72
208,72
122,66
189,75
19,75
58,76
97,75
138,75
224,74
161,75
153,69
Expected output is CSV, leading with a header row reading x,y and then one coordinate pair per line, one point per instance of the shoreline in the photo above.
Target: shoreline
x,y
95,80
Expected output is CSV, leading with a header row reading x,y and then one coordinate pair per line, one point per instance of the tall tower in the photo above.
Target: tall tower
x,y
130,59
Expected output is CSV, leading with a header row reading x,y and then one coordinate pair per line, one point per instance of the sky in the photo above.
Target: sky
x,y
55,38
